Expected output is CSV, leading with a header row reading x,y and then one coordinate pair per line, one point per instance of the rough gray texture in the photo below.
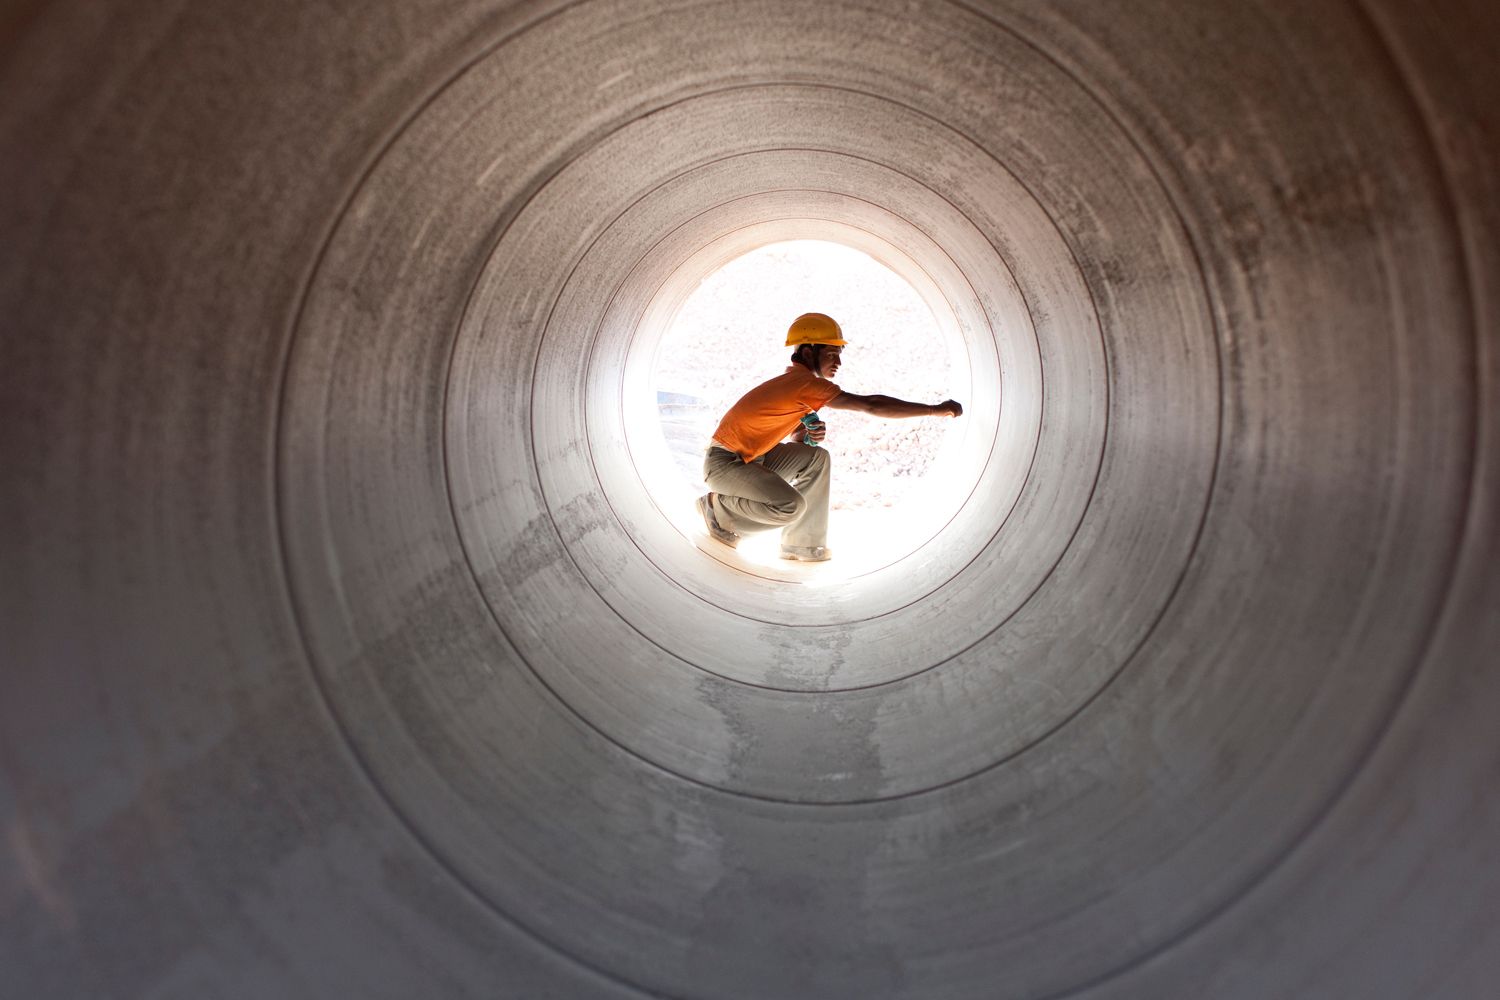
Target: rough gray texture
x,y
344,652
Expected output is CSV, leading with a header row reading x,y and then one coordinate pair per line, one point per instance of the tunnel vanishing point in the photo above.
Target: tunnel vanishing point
x,y
345,651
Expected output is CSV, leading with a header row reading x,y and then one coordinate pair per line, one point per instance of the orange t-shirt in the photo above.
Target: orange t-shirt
x,y
767,414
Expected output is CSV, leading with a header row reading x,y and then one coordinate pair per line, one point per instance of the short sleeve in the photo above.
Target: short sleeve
x,y
819,392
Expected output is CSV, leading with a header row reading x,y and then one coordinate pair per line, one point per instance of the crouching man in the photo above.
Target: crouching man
x,y
764,467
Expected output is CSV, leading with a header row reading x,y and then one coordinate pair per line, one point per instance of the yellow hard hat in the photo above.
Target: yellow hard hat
x,y
814,328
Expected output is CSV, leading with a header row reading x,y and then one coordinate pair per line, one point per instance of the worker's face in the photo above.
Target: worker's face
x,y
828,363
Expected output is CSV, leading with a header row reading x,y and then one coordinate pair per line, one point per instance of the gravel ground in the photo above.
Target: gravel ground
x,y
729,336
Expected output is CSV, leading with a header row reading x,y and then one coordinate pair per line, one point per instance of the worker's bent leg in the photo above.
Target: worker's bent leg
x,y
749,497
808,470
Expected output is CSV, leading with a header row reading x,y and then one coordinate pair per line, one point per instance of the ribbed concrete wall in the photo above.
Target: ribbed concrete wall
x,y
346,652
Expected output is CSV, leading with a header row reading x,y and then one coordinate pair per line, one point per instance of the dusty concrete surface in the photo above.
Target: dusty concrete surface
x,y
345,651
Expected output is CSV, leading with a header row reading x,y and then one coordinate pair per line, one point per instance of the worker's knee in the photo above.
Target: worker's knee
x,y
790,508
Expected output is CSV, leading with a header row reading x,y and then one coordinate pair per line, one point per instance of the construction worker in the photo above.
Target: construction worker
x,y
765,467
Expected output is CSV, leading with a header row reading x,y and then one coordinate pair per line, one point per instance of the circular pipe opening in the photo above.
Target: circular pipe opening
x,y
890,477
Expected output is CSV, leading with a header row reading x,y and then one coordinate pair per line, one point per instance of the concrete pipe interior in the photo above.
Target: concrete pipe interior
x,y
355,650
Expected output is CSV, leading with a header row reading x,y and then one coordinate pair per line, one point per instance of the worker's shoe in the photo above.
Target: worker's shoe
x,y
807,553
706,508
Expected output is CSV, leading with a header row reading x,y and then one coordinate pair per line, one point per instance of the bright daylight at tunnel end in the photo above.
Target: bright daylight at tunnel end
x,y
885,502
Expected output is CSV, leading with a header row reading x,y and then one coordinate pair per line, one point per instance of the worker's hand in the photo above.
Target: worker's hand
x,y
817,430
949,408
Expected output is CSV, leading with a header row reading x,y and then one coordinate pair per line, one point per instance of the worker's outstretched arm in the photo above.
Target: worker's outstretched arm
x,y
890,406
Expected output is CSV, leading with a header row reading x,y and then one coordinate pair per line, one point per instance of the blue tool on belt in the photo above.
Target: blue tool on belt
x,y
809,421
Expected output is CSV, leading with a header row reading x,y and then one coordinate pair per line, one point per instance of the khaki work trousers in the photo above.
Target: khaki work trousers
x,y
785,488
